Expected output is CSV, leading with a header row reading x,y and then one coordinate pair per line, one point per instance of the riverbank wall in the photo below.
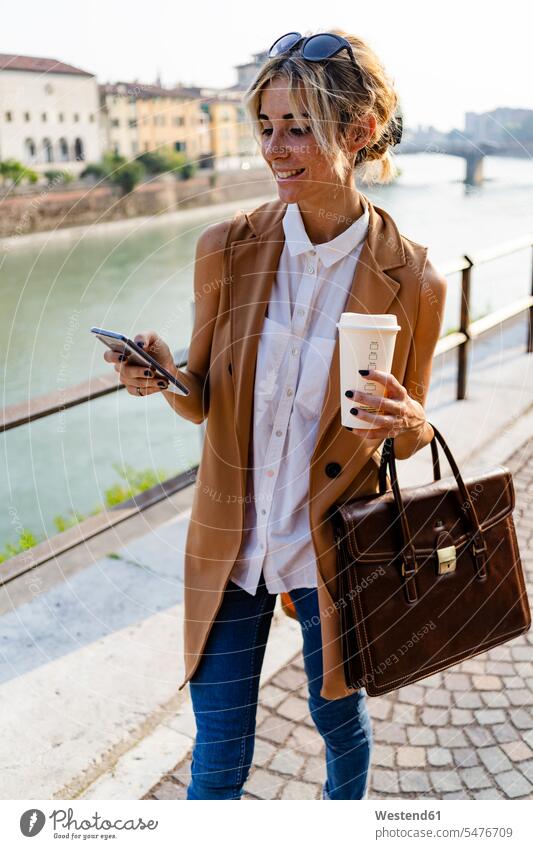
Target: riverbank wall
x,y
53,208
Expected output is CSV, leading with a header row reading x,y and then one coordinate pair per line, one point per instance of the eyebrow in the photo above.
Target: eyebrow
x,y
288,116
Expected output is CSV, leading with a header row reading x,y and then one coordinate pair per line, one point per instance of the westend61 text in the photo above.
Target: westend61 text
x,y
407,815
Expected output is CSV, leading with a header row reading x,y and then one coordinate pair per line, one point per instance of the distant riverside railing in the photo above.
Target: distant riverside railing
x,y
51,403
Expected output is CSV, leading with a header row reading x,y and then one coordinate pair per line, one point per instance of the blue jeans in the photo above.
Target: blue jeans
x,y
224,692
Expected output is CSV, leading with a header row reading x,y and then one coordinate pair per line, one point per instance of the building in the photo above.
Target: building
x,y
230,129
503,125
48,113
140,117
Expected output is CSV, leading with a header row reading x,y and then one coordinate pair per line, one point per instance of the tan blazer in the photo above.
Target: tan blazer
x,y
235,267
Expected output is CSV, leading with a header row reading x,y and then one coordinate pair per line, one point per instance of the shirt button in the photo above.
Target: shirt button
x,y
301,311
289,391
294,351
310,269
263,512
279,433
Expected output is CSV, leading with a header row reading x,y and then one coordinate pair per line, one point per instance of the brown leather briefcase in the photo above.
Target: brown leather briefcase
x,y
428,575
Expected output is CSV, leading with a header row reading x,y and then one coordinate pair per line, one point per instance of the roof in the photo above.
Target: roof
x,y
146,90
39,65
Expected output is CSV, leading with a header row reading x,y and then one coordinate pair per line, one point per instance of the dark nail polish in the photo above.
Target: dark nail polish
x,y
364,371
349,393
148,373
354,410
121,358
161,383
140,344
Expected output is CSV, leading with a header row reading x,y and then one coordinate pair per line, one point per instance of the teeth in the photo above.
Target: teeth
x,y
284,174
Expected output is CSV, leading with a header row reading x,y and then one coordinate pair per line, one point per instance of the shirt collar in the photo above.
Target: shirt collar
x,y
298,241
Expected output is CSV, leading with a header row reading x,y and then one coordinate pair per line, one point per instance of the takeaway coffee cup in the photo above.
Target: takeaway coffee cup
x,y
365,341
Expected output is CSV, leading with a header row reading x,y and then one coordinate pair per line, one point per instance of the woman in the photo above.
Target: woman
x,y
263,368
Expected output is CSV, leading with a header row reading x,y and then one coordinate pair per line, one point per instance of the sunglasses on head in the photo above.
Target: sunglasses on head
x,y
314,48
322,46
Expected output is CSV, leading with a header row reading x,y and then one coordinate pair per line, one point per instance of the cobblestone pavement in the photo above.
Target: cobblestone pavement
x,y
466,733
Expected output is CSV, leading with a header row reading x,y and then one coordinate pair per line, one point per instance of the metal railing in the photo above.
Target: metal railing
x,y
51,403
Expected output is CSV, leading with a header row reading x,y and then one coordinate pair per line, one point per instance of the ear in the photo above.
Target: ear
x,y
359,134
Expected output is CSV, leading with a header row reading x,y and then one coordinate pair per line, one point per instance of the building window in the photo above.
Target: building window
x,y
134,148
61,117
27,116
79,153
29,146
76,117
9,117
43,117
132,123
179,145
115,122
48,150
63,150
179,121
91,118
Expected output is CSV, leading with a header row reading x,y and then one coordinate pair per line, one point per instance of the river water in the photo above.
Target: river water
x,y
138,275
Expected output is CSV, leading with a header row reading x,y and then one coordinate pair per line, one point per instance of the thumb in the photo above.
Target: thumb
x,y
146,340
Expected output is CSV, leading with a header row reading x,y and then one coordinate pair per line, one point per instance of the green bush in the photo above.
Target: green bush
x,y
26,540
136,481
16,172
117,170
167,162
57,176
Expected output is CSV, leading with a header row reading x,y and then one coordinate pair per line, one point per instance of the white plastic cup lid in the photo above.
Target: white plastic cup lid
x,y
364,321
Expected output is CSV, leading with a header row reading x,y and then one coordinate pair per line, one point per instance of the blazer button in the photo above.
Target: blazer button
x,y
333,469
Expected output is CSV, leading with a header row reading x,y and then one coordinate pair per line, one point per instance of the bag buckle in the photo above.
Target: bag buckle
x,y
409,565
447,557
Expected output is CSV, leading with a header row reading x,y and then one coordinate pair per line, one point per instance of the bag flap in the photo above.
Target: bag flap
x,y
371,528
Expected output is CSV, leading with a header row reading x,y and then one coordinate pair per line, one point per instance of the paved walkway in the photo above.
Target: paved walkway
x,y
466,733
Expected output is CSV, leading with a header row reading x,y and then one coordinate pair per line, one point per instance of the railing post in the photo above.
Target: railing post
x,y
464,325
529,342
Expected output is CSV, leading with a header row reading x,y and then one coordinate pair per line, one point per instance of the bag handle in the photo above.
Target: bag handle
x,y
410,565
383,465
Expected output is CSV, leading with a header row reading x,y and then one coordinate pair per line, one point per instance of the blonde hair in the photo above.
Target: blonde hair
x,y
334,97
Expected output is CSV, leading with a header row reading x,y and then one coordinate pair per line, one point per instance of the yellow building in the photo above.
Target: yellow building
x,y
141,118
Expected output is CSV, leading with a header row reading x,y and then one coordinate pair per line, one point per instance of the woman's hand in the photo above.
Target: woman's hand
x,y
142,380
394,414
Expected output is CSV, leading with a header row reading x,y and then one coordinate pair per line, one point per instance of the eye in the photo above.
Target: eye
x,y
266,130
297,131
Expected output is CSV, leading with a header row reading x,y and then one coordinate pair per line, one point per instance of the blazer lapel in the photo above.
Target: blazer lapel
x,y
253,265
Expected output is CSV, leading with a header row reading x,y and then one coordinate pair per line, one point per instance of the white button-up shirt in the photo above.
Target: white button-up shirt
x,y
293,361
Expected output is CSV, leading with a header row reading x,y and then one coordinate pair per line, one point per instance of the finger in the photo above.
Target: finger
x,y
135,373
392,386
146,389
146,339
378,403
111,356
376,419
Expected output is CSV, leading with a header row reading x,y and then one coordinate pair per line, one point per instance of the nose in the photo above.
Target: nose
x,y
275,145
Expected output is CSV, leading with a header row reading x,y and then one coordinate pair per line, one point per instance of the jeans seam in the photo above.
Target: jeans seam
x,y
249,706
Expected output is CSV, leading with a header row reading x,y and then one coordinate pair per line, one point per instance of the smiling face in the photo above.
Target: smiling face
x,y
301,169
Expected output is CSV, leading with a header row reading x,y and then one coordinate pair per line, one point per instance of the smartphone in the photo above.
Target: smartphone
x,y
137,356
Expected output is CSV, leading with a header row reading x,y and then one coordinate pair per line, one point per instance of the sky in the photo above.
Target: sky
x,y
445,58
